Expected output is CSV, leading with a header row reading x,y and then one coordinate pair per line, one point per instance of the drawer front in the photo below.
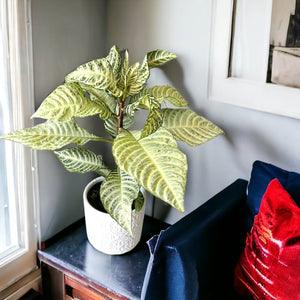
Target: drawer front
x,y
80,291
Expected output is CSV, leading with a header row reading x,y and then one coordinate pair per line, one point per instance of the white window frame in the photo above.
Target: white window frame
x,y
23,261
254,94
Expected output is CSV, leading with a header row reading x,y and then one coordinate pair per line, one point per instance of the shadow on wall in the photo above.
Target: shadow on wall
x,y
174,72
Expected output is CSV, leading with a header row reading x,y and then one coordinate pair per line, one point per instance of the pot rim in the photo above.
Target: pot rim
x,y
93,182
85,193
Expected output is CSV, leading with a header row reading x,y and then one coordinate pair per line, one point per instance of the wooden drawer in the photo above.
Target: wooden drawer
x,y
80,291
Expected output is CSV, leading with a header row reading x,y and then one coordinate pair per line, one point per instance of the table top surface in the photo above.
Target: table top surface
x,y
124,274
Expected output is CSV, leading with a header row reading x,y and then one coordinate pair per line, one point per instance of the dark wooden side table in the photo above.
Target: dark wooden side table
x,y
73,269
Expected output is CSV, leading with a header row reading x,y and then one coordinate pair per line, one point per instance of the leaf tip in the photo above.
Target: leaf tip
x,y
181,209
180,206
34,115
126,226
130,232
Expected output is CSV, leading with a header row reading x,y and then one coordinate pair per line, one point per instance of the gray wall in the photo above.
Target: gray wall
x,y
184,28
65,34
69,32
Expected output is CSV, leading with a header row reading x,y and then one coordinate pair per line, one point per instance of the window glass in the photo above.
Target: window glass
x,y
18,227
8,220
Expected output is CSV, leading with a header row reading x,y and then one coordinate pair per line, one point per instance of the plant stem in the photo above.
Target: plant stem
x,y
120,116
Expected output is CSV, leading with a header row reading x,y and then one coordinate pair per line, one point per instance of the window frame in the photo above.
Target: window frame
x,y
24,260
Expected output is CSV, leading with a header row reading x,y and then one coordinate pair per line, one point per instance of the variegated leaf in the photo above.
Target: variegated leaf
x,y
115,60
130,109
163,92
155,116
128,121
111,124
189,127
98,73
140,101
139,202
112,103
142,76
169,93
117,193
52,135
68,101
101,95
157,58
131,76
82,160
103,98
124,69
114,89
137,98
156,163
105,112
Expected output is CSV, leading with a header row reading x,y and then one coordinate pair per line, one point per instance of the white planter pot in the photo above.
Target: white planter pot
x,y
104,233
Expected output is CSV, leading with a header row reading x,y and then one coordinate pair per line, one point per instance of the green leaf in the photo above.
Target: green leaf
x,y
82,160
139,202
131,108
187,126
105,111
169,93
155,162
111,124
161,93
115,60
132,75
139,101
157,58
142,76
68,101
117,193
124,69
97,73
101,95
52,135
155,116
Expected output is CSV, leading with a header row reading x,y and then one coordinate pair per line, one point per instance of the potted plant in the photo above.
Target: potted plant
x,y
148,158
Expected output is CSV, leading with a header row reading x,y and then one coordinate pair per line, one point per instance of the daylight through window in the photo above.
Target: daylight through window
x,y
8,218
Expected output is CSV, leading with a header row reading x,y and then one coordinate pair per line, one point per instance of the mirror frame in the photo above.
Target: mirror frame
x,y
258,94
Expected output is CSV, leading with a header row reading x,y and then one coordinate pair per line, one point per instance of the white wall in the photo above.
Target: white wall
x,y
184,28
66,33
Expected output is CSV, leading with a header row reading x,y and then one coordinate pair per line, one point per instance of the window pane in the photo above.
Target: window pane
x,y
8,220
18,240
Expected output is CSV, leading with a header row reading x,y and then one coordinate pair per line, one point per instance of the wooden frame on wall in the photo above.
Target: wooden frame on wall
x,y
250,93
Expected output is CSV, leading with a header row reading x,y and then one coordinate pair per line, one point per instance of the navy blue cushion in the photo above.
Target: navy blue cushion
x,y
261,175
195,258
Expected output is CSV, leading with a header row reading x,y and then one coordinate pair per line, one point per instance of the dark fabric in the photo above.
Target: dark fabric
x,y
269,265
195,258
261,175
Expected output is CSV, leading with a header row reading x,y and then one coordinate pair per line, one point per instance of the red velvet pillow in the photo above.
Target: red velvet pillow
x,y
269,267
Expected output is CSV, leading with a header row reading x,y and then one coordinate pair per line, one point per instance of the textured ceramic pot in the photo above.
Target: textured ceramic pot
x,y
104,233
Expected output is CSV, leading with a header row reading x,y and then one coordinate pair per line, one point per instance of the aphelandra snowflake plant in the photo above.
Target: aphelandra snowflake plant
x,y
114,90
